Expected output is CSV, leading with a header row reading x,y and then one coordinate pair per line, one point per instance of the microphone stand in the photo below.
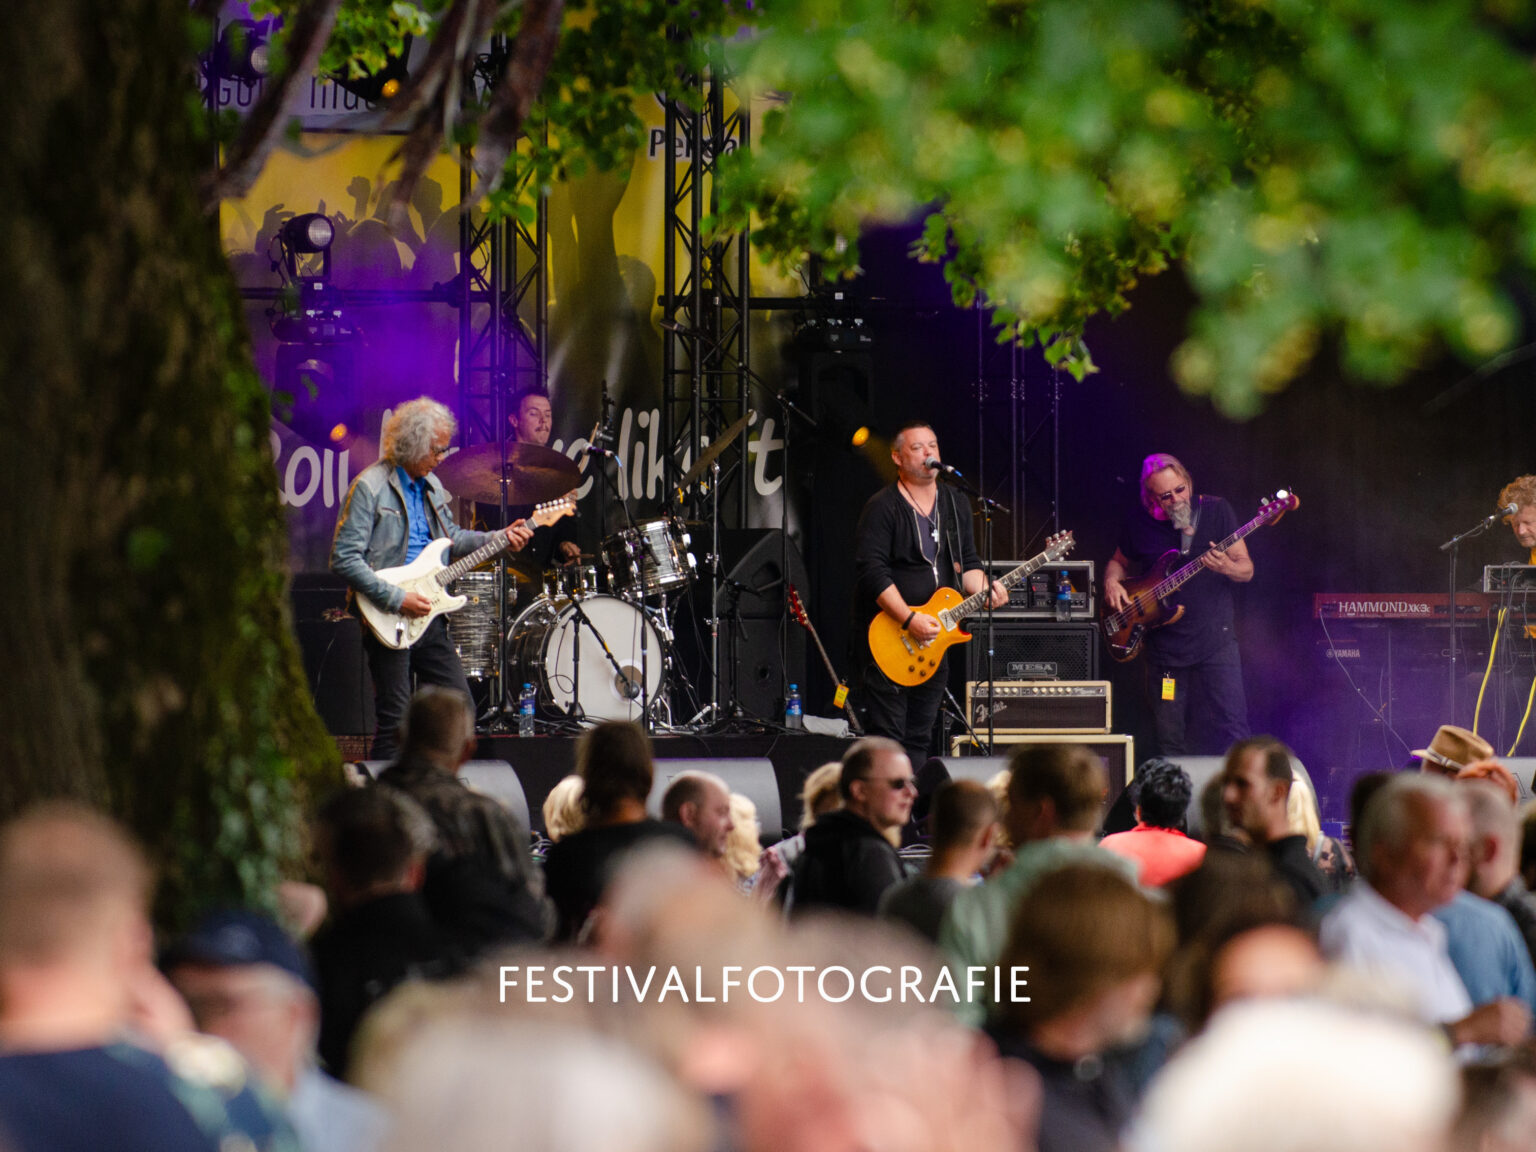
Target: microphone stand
x,y
632,546
1451,546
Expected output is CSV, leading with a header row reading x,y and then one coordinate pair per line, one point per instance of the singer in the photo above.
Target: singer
x,y
1192,665
913,538
1517,505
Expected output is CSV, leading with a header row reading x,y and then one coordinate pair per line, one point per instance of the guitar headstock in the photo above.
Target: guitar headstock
x,y
1059,545
797,609
1278,505
551,510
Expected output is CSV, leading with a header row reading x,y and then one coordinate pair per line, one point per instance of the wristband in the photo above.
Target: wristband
x,y
907,623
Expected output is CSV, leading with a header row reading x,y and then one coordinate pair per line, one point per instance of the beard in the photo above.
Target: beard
x,y
1182,516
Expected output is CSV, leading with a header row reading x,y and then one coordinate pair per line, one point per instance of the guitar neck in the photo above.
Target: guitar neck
x,y
476,558
974,602
1177,579
822,648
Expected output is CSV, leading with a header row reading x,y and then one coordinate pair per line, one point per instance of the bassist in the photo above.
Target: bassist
x,y
1194,658
396,507
913,538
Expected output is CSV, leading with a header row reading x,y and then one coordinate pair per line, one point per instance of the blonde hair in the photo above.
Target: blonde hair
x,y
820,786
743,849
1301,812
563,813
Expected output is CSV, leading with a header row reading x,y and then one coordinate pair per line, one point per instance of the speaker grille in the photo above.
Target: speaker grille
x,y
1030,651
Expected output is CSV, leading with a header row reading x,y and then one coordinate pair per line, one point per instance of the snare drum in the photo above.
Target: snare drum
x,y
650,558
543,648
473,627
570,581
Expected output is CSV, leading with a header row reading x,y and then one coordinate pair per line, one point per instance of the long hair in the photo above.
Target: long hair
x,y
408,435
1150,467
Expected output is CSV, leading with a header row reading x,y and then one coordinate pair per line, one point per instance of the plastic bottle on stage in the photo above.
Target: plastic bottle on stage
x,y
794,715
1063,598
525,711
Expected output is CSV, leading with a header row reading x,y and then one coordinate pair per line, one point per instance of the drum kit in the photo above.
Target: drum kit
x,y
594,642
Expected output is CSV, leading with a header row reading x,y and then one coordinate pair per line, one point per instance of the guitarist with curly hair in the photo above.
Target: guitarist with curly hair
x,y
1193,656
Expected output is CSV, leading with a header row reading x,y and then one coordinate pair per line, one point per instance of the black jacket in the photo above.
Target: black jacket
x,y
846,864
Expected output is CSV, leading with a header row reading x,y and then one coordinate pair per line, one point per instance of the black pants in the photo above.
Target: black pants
x,y
431,660
906,715
1208,712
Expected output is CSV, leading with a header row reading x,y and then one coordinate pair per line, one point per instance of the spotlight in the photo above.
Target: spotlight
x,y
307,235
243,52
860,436
380,86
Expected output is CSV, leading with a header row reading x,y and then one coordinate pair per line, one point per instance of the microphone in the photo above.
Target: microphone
x,y
940,466
1508,510
595,443
674,326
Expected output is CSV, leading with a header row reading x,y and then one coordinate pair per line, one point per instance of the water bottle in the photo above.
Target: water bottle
x,y
1063,598
794,716
525,711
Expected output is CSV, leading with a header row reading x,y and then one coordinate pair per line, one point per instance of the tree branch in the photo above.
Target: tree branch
x,y
537,39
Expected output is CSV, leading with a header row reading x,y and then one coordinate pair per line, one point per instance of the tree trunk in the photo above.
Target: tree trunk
x,y
151,665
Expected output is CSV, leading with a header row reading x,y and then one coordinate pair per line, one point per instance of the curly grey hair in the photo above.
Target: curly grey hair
x,y
411,428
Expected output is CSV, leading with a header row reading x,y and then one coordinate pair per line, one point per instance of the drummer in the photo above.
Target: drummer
x,y
532,420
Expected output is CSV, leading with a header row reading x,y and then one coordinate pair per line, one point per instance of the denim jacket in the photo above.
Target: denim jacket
x,y
372,532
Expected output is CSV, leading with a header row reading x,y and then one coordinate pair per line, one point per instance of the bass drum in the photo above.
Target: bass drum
x,y
543,653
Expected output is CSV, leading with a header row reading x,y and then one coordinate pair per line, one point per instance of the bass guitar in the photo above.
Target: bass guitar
x,y
840,697
909,661
430,574
1126,630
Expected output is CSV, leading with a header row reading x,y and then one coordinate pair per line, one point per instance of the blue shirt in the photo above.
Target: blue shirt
x,y
415,514
1487,950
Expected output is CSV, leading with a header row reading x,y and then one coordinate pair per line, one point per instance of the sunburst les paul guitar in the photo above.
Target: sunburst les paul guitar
x,y
1150,607
430,574
909,661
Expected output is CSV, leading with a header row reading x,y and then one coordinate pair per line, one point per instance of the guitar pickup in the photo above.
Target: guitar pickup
x,y
907,644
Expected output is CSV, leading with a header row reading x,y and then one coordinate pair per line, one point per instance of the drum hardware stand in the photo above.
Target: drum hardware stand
x,y
577,713
965,722
634,546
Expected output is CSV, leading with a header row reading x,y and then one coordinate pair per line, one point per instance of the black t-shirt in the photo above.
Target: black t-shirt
x,y
1206,627
888,550
578,868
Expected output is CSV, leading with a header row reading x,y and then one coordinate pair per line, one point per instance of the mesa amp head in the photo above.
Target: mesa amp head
x,y
1021,706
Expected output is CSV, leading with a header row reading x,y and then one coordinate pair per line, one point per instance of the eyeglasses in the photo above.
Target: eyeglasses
x,y
894,783
1172,495
439,453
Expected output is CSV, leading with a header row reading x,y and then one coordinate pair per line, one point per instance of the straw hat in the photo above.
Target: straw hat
x,y
1454,748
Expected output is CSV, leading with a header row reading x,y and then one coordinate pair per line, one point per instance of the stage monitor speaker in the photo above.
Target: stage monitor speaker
x,y
494,778
753,778
1116,753
1039,706
331,644
1026,650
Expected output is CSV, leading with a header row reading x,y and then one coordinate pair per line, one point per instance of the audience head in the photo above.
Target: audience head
x,y
1094,945
248,983
701,803
372,842
1495,773
876,782
1334,861
614,763
964,816
1361,793
1302,817
1256,786
1413,843
1281,1075
562,808
1528,846
1053,790
439,727
820,793
1451,750
743,845
1498,1103
1213,813
1163,790
1495,847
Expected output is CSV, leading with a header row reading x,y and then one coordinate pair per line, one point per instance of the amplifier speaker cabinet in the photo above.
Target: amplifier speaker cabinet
x,y
1039,705
1026,650
1117,752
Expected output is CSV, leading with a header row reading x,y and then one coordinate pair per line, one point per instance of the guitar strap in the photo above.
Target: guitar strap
x,y
1187,540
952,535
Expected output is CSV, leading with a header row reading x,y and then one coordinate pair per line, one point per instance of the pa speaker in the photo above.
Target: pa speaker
x,y
493,778
1026,650
753,778
761,649
331,643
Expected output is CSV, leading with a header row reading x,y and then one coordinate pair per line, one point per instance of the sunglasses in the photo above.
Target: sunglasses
x,y
894,783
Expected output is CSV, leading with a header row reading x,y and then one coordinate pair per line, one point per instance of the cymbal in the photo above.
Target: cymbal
x,y
533,473
712,452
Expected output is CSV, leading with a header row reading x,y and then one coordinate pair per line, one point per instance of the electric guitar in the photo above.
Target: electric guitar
x,y
430,574
840,697
1126,630
909,661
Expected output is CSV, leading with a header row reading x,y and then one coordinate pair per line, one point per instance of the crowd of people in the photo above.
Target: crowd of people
x,y
1213,976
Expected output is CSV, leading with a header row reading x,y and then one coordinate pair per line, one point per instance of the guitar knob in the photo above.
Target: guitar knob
x,y
910,668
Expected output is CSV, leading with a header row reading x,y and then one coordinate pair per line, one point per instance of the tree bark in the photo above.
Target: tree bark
x,y
150,661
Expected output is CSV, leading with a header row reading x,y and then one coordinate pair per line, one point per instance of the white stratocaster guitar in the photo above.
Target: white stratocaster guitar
x,y
430,574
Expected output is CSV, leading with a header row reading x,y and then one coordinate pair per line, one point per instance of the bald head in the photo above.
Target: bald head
x,y
1495,847
1413,843
701,803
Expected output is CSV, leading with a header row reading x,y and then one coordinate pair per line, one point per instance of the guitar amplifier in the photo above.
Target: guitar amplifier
x,y
1034,597
1018,707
